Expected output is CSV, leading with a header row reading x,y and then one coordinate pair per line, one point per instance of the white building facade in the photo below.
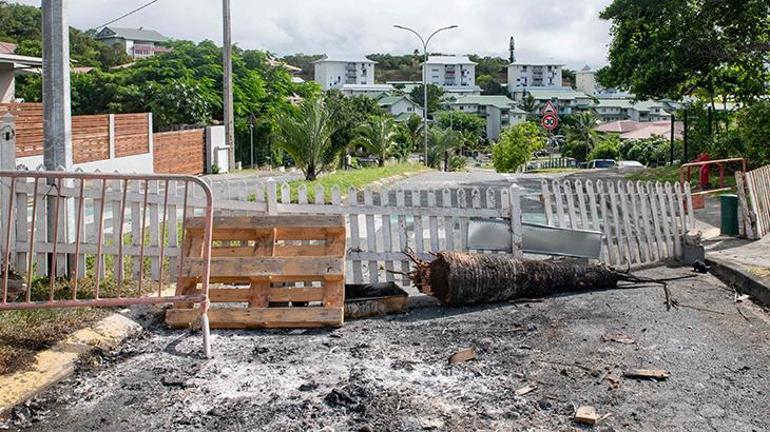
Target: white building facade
x,y
456,75
522,76
334,73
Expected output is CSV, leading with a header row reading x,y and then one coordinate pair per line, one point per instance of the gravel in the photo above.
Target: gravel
x,y
392,374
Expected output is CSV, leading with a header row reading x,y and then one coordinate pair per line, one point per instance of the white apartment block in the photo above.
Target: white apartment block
x,y
522,76
617,109
456,75
334,73
585,81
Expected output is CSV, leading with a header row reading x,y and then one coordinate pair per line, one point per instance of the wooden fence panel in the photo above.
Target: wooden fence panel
x,y
132,134
754,195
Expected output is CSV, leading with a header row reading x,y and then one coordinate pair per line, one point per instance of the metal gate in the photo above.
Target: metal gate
x,y
75,239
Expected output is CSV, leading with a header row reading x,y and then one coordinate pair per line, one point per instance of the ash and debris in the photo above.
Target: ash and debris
x,y
393,374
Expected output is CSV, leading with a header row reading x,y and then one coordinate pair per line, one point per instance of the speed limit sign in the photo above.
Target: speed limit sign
x,y
550,122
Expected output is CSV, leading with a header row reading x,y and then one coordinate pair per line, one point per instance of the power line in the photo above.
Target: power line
x,y
127,14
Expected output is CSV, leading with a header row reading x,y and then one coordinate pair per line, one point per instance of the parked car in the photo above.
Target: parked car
x,y
630,165
602,164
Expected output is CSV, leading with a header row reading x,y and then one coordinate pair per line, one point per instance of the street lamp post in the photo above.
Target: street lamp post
x,y
425,81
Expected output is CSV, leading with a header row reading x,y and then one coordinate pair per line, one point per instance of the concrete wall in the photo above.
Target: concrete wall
x,y
7,83
216,150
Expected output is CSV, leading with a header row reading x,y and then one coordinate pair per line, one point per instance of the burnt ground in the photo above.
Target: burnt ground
x,y
393,374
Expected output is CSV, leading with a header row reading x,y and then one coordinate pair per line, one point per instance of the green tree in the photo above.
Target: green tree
x,y
607,148
377,136
490,85
434,96
306,136
754,127
472,124
442,143
670,48
403,144
581,136
414,125
516,145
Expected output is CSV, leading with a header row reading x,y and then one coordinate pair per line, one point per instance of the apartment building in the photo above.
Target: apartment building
x,y
456,75
618,109
522,76
499,112
138,43
567,100
353,76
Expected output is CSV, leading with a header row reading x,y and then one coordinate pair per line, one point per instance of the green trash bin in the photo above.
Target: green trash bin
x,y
729,210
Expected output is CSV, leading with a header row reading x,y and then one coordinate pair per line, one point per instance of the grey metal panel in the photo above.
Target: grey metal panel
x,y
548,240
495,235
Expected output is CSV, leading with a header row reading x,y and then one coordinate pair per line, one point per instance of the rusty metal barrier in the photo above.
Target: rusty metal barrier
x,y
60,231
698,195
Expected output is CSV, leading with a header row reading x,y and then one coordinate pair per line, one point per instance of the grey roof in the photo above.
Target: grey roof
x,y
139,34
450,60
502,102
387,101
345,59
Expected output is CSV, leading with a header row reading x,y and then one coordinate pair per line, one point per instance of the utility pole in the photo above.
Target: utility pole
x,y
57,116
425,80
227,66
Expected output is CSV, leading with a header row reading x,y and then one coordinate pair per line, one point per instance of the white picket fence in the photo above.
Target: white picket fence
x,y
754,195
384,223
641,222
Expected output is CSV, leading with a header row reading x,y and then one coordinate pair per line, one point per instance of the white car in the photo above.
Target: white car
x,y
630,165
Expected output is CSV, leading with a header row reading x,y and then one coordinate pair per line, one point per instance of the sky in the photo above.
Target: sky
x,y
564,31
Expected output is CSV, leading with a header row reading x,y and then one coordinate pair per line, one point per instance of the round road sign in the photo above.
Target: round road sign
x,y
550,122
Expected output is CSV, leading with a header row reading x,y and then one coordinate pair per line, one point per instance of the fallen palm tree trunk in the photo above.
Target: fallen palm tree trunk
x,y
457,278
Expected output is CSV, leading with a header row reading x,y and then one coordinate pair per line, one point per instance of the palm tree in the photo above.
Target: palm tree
x,y
306,136
581,133
414,126
377,136
440,143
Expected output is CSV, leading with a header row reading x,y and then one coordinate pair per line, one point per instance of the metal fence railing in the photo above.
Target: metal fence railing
x,y
75,239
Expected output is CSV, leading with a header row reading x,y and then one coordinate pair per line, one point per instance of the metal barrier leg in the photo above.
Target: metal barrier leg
x,y
206,334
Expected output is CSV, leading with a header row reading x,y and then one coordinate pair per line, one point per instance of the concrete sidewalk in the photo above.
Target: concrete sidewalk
x,y
743,265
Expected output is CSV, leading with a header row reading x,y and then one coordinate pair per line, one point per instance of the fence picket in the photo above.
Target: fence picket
x,y
623,253
419,239
387,236
371,238
546,194
136,228
657,222
433,222
570,197
173,228
637,227
449,235
581,195
672,208
557,194
462,202
648,238
355,239
665,227
403,234
22,229
154,225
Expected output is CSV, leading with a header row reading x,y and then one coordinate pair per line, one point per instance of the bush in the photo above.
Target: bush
x,y
649,151
754,130
516,146
609,148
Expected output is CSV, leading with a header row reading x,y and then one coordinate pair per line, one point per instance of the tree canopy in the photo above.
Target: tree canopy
x,y
670,48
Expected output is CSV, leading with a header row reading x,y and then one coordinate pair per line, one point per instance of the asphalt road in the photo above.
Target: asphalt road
x,y
392,374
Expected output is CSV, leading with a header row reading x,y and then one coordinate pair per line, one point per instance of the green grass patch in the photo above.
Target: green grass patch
x,y
555,171
354,178
24,333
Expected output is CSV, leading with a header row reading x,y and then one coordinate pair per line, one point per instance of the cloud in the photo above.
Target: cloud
x,y
567,31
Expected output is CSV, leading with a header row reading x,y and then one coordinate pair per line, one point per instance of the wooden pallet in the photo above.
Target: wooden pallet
x,y
281,272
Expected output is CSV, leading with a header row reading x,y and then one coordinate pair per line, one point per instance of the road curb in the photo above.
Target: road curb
x,y
58,362
736,276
